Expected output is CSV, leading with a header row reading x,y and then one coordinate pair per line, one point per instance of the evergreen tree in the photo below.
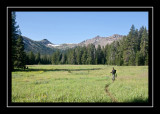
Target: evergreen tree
x,y
105,53
38,58
14,37
45,60
112,54
99,55
132,57
144,46
84,56
64,58
146,59
108,54
118,53
140,37
129,48
31,57
139,59
73,57
90,54
56,57
20,59
27,59
136,41
79,55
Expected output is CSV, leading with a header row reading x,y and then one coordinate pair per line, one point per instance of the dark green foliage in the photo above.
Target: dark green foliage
x,y
64,58
79,55
37,58
84,55
31,57
18,55
90,54
14,35
139,58
99,55
144,45
56,57
132,49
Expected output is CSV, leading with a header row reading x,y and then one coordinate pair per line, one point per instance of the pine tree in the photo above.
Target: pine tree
x,y
14,37
56,57
20,59
144,46
64,58
129,47
140,37
108,49
79,55
90,54
139,59
118,54
73,57
146,59
31,57
84,55
113,51
99,55
37,58
105,54
136,41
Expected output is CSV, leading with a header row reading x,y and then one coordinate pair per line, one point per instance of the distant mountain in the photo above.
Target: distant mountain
x,y
37,46
46,47
102,41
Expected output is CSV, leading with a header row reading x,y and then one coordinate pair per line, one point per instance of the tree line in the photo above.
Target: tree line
x,y
32,58
132,49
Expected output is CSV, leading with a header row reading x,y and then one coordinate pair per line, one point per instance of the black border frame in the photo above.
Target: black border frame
x,y
148,9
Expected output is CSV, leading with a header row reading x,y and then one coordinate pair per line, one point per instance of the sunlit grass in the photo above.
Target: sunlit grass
x,y
79,83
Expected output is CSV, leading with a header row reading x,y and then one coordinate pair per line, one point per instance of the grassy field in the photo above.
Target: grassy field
x,y
80,83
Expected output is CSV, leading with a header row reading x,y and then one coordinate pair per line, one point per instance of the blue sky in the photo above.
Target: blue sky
x,y
75,27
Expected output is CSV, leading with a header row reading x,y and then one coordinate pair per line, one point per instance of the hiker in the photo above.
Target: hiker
x,y
113,74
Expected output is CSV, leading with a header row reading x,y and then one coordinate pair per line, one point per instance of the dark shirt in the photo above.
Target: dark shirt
x,y
113,72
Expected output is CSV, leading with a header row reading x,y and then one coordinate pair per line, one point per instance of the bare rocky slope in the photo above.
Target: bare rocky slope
x,y
102,41
46,47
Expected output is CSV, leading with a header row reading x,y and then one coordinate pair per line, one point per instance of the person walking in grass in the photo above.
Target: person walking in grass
x,y
113,74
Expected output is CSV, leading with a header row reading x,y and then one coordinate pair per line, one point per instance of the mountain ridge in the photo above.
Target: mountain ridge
x,y
46,47
102,41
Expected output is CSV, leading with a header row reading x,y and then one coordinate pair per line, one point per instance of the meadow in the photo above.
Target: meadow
x,y
80,83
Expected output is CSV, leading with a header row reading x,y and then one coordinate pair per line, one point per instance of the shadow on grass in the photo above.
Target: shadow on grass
x,y
69,70
139,100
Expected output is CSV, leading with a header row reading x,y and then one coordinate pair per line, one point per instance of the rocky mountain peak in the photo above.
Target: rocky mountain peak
x,y
45,46
116,36
102,41
45,42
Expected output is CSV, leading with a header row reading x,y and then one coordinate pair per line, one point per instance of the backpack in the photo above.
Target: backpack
x,y
114,71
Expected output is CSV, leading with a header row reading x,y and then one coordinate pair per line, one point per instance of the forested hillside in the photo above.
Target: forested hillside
x,y
37,46
129,50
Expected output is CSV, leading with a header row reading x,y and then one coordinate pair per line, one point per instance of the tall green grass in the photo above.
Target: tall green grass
x,y
79,83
